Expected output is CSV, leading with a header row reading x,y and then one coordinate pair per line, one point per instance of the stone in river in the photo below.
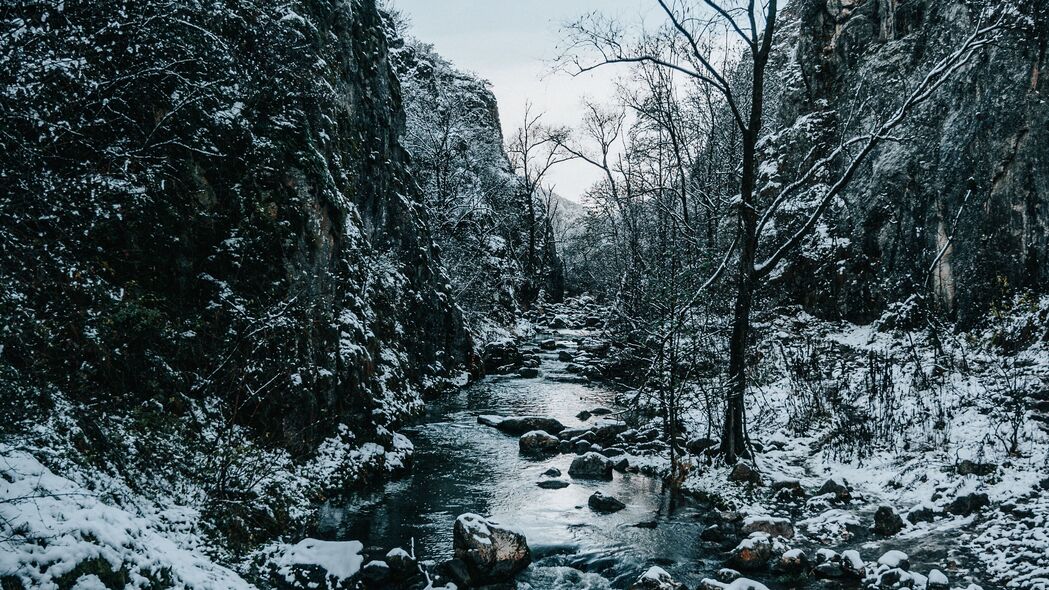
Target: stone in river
x,y
538,442
601,503
491,553
591,465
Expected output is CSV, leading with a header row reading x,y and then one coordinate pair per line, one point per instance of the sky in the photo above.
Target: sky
x,y
512,43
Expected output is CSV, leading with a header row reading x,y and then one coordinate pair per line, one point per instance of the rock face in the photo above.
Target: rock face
x,y
289,231
456,144
491,553
975,153
591,466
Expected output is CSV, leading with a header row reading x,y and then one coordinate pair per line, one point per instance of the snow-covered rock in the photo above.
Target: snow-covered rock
x,y
591,466
656,578
599,502
538,442
774,526
491,553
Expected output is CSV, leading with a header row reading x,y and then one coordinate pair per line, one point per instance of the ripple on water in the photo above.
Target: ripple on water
x,y
462,466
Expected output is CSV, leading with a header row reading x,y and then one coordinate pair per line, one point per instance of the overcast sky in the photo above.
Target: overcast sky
x,y
511,44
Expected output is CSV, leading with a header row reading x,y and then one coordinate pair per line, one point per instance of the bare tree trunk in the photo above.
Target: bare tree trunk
x,y
733,437
733,434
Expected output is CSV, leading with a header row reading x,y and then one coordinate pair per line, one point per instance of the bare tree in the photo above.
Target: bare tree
x,y
534,150
698,42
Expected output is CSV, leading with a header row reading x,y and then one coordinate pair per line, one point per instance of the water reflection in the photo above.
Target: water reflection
x,y
461,466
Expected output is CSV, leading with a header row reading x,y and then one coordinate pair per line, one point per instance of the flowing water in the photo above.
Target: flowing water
x,y
462,466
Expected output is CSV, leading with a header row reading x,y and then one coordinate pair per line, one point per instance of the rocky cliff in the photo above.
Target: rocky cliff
x,y
958,210
456,143
208,201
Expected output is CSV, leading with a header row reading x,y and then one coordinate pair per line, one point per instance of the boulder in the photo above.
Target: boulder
x,y
727,575
752,553
713,533
552,472
792,562
490,553
968,504
978,469
596,347
937,581
737,584
565,356
744,473
836,487
774,526
581,446
518,425
788,488
401,563
456,570
894,578
500,356
698,445
552,484
606,430
572,433
538,442
829,569
824,555
922,514
852,564
601,503
894,559
656,578
591,466
490,420
887,522
528,372
376,574
548,344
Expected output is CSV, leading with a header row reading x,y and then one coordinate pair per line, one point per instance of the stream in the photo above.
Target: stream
x,y
462,466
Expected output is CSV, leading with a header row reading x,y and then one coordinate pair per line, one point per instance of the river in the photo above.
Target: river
x,y
462,466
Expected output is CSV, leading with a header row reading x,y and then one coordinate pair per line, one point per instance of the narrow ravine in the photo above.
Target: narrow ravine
x,y
462,466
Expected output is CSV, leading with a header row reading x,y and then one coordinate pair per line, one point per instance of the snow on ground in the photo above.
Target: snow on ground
x,y
54,531
932,426
67,522
339,559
